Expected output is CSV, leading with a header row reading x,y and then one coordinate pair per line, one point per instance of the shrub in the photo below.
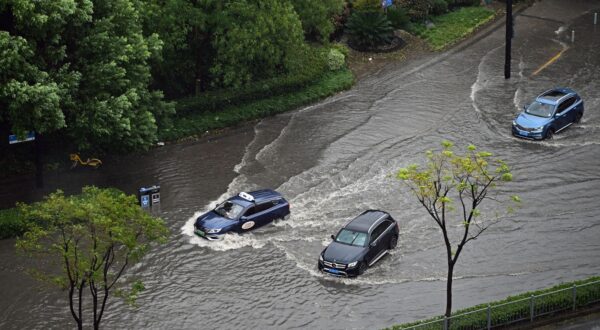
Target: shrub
x,y
341,48
11,224
463,3
335,59
439,7
398,16
317,17
369,29
418,10
366,5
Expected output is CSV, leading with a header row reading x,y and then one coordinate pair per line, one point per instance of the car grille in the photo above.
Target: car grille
x,y
524,128
334,265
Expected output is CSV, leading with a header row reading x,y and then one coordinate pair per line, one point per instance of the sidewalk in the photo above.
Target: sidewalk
x,y
585,322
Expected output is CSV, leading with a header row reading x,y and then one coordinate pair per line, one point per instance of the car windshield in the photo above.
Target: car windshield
x,y
351,237
229,210
540,109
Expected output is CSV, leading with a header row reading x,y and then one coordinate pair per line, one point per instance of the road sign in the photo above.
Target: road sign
x,y
145,201
30,136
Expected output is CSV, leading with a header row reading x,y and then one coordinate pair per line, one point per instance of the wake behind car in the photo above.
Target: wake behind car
x,y
550,113
241,213
359,244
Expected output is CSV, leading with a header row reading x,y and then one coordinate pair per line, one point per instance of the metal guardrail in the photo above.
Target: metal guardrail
x,y
522,310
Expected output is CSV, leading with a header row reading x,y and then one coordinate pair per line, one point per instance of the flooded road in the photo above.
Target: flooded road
x,y
333,160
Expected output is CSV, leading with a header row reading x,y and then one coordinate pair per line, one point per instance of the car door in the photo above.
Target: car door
x,y
377,242
247,220
262,214
564,114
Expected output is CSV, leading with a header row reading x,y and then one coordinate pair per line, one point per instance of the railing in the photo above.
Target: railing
x,y
521,310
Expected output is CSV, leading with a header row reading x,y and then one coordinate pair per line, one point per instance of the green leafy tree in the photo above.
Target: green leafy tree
x,y
317,16
92,238
452,188
256,40
81,65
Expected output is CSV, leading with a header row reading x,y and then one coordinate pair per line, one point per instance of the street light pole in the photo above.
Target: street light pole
x,y
509,35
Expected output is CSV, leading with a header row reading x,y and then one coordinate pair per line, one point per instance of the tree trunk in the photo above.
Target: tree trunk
x,y
449,289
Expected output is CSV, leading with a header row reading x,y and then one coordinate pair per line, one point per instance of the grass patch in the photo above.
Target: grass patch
x,y
11,225
453,27
197,123
519,307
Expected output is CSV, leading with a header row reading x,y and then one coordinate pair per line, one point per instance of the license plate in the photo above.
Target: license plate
x,y
331,270
200,233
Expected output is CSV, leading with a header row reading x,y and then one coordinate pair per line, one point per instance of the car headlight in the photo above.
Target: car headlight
x,y
514,123
352,264
320,257
213,231
538,129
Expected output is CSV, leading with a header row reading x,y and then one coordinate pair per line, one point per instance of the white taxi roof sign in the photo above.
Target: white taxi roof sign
x,y
247,196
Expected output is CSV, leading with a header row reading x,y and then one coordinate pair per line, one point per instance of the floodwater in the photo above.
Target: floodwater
x,y
332,161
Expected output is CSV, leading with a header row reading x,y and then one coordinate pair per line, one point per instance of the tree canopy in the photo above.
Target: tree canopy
x,y
92,238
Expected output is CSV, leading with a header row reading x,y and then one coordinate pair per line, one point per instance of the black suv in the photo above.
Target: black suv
x,y
360,244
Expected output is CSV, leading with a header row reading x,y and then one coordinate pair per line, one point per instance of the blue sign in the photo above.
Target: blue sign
x,y
145,200
386,3
30,136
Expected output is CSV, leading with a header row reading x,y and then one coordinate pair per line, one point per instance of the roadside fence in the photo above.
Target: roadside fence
x,y
521,310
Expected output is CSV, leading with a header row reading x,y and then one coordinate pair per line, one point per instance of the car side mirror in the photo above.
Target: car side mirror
x,y
372,244
525,107
333,237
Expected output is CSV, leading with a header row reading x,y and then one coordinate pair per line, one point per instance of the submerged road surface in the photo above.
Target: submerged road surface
x,y
333,160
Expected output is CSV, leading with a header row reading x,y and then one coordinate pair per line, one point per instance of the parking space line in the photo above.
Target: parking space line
x,y
550,61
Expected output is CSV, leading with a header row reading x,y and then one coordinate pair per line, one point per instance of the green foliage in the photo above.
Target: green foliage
x,y
418,10
200,122
313,64
369,29
439,7
81,65
366,5
256,41
515,307
317,16
341,48
335,59
11,223
454,26
398,16
93,237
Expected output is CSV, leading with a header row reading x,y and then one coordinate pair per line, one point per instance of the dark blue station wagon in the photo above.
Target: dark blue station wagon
x,y
550,113
359,244
242,213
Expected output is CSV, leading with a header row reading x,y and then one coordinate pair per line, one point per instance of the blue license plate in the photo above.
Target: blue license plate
x,y
331,270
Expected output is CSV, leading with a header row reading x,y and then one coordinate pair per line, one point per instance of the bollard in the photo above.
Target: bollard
x,y
595,18
572,35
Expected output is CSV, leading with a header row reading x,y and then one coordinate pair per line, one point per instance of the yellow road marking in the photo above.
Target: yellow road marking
x,y
550,61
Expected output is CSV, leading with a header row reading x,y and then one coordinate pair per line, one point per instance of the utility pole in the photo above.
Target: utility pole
x,y
509,35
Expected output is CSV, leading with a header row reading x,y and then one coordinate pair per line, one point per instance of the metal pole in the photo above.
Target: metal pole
x,y
489,317
445,323
509,34
532,308
595,18
39,169
572,35
574,296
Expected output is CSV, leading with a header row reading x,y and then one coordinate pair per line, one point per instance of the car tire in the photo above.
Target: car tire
x,y
393,242
362,267
285,217
578,117
549,134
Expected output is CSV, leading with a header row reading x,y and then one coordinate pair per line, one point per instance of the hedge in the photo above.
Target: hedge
x,y
11,225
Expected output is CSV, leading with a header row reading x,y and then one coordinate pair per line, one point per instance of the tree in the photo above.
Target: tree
x,y
447,180
317,16
93,238
81,65
256,40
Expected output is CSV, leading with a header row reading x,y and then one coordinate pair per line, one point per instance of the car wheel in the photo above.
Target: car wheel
x,y
362,267
393,242
549,134
578,117
287,216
